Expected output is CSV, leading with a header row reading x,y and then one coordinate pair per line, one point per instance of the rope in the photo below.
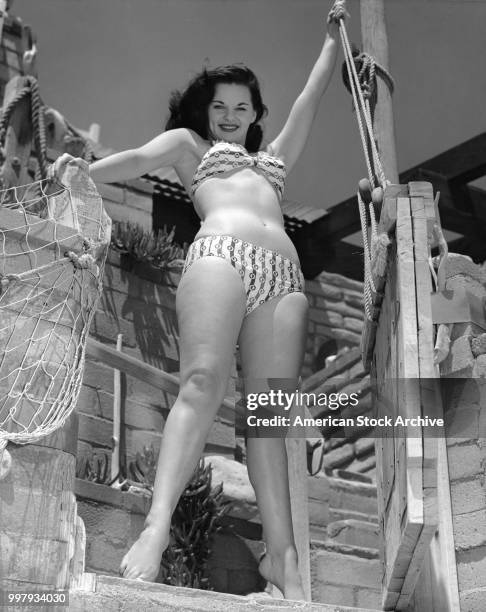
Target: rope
x,y
37,117
368,70
38,126
363,89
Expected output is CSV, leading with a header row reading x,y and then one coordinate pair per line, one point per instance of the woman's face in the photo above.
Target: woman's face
x,y
231,112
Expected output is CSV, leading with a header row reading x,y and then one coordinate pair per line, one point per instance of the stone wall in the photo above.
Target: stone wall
x,y
465,415
336,312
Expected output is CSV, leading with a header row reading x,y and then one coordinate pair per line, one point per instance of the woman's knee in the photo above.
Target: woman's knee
x,y
202,382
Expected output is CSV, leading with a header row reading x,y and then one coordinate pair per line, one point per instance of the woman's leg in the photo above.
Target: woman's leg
x,y
272,343
210,306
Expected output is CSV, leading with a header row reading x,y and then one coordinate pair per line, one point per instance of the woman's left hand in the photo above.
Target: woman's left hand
x,y
337,12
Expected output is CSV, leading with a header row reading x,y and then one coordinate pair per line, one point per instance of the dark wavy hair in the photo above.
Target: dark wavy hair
x,y
189,108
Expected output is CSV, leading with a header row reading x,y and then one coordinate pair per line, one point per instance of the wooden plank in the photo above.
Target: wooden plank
x,y
422,193
406,512
139,369
440,567
388,214
299,500
408,367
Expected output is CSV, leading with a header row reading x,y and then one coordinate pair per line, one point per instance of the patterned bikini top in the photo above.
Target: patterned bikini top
x,y
224,157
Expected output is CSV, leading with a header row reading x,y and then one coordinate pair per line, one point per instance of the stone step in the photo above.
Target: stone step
x,y
115,594
353,495
341,575
332,499
341,514
355,533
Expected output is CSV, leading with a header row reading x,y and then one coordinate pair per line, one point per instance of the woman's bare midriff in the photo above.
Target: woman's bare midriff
x,y
246,206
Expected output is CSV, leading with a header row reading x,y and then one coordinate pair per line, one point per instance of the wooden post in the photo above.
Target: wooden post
x,y
38,512
375,43
299,501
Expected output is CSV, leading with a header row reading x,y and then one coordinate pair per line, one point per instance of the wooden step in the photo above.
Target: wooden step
x,y
114,594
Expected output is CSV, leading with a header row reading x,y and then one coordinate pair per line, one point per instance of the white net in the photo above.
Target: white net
x,y
53,244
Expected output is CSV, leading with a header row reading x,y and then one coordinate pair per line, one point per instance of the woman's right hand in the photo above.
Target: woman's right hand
x,y
56,169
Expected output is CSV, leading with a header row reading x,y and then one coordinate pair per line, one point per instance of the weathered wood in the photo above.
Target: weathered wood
x,y
431,585
117,404
18,139
373,34
299,500
37,510
406,479
404,519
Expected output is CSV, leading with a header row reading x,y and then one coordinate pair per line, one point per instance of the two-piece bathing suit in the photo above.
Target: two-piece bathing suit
x,y
265,274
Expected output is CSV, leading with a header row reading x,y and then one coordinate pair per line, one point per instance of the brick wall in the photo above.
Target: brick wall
x,y
465,414
129,201
336,313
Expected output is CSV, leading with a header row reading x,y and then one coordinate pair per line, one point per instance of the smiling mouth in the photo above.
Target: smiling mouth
x,y
226,127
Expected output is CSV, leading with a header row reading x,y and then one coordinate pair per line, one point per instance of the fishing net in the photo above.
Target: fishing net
x,y
54,239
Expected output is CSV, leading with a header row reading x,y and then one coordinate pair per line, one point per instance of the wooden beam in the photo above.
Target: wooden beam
x,y
462,163
139,369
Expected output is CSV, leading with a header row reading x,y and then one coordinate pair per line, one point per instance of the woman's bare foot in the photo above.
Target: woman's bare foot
x,y
283,572
142,561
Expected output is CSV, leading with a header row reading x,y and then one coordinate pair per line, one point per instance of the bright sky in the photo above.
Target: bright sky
x,y
114,62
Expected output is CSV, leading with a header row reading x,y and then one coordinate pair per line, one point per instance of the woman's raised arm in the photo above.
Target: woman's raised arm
x,y
289,144
164,150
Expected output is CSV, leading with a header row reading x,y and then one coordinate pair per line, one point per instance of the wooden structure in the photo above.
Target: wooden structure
x,y
412,473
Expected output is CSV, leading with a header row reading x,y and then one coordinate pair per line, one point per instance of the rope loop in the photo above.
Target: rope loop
x,y
338,12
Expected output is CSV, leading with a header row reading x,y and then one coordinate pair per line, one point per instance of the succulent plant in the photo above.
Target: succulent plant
x,y
197,518
159,249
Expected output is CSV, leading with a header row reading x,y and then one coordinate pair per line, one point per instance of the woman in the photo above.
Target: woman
x,y
241,284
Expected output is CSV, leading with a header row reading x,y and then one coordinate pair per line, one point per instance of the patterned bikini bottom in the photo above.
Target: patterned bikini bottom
x,y
265,274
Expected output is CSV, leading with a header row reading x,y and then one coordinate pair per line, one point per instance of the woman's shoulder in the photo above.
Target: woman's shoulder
x,y
192,140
